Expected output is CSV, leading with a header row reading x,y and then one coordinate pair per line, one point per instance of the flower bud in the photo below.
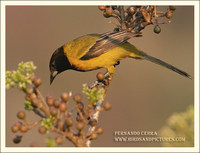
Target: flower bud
x,y
53,111
37,81
79,125
29,91
69,121
33,96
49,100
21,115
77,98
131,10
106,15
15,128
100,76
106,106
92,122
109,11
42,130
157,29
93,136
59,140
65,96
56,103
17,139
102,7
23,128
63,107
99,130
169,14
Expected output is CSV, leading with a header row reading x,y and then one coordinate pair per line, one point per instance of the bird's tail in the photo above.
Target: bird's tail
x,y
162,63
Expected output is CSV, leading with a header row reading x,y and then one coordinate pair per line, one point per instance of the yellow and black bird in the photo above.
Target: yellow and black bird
x,y
94,51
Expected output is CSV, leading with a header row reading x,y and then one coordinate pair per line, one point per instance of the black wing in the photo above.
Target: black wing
x,y
108,41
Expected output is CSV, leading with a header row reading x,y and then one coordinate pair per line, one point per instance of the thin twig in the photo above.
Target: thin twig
x,y
122,17
36,111
41,97
98,109
35,124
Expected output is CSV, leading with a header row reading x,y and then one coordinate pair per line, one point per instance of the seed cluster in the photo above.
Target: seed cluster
x,y
57,117
136,18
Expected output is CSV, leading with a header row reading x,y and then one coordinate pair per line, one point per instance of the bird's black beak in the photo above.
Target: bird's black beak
x,y
53,75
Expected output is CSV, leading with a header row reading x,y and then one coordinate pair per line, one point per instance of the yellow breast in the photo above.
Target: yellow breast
x,y
105,60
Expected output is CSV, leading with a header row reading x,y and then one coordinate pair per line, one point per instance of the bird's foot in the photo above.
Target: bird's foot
x,y
118,62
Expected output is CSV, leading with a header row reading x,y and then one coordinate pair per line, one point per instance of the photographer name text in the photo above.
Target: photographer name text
x,y
135,133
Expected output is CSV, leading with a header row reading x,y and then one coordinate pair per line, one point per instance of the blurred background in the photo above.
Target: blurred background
x,y
143,95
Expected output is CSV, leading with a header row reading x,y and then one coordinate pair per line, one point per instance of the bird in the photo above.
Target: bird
x,y
94,51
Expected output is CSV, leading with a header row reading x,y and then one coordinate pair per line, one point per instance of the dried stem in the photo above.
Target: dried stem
x,y
122,16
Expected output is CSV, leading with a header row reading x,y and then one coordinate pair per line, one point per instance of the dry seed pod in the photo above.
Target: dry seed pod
x,y
77,98
37,81
79,125
53,111
157,29
169,14
172,8
131,10
99,130
59,140
92,122
69,121
14,128
49,100
23,128
63,107
56,103
21,115
102,7
109,11
17,139
100,76
106,106
65,96
42,130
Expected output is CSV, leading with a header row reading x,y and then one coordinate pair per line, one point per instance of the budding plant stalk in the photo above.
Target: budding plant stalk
x,y
55,116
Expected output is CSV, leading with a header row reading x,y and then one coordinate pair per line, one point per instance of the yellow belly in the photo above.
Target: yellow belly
x,y
105,60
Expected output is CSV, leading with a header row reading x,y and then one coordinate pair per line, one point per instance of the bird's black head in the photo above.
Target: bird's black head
x,y
58,63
